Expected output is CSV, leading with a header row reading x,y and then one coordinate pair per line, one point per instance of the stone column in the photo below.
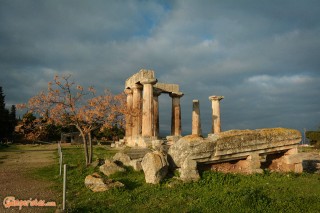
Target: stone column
x,y
196,123
147,107
136,108
128,92
176,114
216,123
156,93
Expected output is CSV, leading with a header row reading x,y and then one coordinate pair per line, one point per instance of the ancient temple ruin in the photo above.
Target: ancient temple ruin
x,y
142,123
246,151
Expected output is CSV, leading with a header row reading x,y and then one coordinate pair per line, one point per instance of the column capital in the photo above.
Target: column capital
x,y
149,81
216,98
176,94
127,91
137,86
156,92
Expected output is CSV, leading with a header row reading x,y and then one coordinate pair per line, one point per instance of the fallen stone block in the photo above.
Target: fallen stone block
x,y
136,164
123,158
96,183
110,168
155,166
189,171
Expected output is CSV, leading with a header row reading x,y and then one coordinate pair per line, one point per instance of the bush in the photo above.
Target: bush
x,y
314,137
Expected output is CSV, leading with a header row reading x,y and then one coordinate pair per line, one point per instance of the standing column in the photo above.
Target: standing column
x,y
156,93
128,92
136,104
147,107
176,114
216,123
196,123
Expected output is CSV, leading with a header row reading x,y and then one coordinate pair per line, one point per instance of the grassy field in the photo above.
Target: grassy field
x,y
215,192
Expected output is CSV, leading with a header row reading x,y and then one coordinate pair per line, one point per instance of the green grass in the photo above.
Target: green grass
x,y
215,192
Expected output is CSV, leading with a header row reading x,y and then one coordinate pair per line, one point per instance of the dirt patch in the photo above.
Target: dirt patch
x,y
15,168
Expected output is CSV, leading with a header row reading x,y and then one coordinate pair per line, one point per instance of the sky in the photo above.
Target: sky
x,y
262,56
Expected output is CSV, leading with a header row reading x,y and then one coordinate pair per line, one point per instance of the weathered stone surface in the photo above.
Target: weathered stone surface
x,y
137,153
155,167
143,74
191,147
110,168
167,87
157,144
234,144
96,183
136,164
123,158
189,171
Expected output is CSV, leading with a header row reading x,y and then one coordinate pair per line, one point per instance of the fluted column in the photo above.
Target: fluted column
x,y
176,114
147,107
216,123
196,123
128,92
136,104
156,93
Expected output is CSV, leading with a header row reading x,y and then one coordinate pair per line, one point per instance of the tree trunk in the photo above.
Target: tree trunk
x,y
85,146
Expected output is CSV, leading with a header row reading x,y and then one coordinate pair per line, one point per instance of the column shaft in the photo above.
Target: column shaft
x,y
147,108
128,92
216,122
136,118
196,123
176,114
156,94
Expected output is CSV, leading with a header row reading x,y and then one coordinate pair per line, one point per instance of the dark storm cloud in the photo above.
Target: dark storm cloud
x,y
262,56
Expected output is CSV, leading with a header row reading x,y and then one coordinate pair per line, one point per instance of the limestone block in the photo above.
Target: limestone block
x,y
96,183
292,159
155,166
122,158
156,144
192,147
254,164
292,151
189,171
298,168
136,164
110,168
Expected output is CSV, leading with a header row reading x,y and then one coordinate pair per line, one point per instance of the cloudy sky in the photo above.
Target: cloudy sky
x,y
263,56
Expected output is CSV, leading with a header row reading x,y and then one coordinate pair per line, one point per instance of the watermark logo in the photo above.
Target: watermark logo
x,y
11,201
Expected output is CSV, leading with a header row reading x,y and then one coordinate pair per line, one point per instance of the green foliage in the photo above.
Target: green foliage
x,y
7,119
215,192
113,133
314,137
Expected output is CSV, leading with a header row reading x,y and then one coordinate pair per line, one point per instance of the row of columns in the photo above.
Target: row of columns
x,y
147,124
143,106
216,121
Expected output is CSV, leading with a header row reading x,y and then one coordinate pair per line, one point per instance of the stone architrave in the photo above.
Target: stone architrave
x,y
147,107
156,93
128,92
216,122
136,104
196,122
176,114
